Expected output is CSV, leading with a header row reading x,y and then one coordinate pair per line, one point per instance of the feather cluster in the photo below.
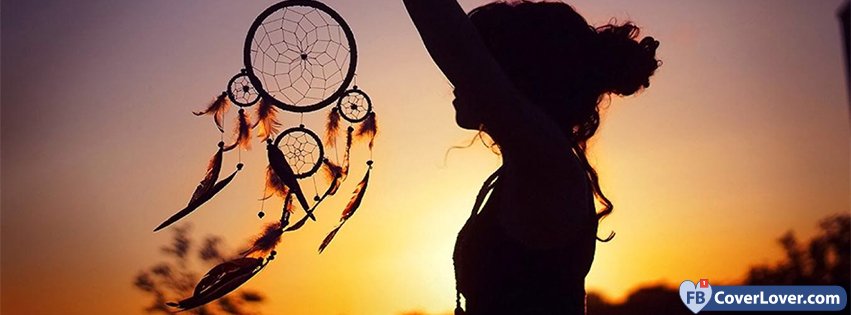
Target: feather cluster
x,y
217,108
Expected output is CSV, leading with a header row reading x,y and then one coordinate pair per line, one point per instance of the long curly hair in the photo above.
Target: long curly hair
x,y
566,66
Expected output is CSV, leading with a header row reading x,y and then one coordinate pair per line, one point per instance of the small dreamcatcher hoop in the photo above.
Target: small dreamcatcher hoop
x,y
240,90
354,105
300,54
302,149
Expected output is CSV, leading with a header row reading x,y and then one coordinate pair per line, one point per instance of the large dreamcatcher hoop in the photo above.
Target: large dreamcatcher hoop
x,y
300,54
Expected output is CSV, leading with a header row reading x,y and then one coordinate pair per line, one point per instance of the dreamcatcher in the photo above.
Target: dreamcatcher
x,y
299,56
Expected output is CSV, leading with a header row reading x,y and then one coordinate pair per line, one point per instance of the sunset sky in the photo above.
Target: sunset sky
x,y
743,135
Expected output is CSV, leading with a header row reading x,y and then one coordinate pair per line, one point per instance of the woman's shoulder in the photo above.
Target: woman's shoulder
x,y
545,204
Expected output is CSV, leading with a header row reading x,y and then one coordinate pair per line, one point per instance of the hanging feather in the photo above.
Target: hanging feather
x,y
334,185
200,200
282,169
221,280
243,132
332,127
328,238
266,120
217,108
359,192
347,152
350,209
368,128
297,225
264,243
274,184
334,174
289,208
213,169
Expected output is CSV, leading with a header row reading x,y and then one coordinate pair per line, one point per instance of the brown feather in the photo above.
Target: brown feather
x,y
218,107
289,207
243,132
347,152
221,280
298,224
274,184
353,205
332,127
264,243
282,169
355,202
334,174
206,184
328,238
195,203
368,128
266,120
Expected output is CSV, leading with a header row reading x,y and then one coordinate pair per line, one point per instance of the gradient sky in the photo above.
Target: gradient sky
x,y
744,134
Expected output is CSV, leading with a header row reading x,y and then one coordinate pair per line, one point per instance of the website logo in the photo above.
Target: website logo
x,y
702,297
694,296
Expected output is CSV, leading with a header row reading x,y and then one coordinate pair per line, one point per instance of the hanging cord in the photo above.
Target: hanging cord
x,y
315,188
263,198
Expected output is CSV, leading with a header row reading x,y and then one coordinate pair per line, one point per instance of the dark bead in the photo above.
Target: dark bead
x,y
261,214
239,166
369,162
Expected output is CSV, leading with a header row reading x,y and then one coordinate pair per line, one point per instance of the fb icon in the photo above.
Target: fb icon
x,y
695,297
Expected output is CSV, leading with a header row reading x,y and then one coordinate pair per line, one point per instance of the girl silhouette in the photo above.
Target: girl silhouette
x,y
531,75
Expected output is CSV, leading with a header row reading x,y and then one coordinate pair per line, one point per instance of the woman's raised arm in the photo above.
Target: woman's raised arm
x,y
539,178
456,48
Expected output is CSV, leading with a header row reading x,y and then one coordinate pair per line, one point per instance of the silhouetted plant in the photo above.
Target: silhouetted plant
x,y
175,277
822,261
